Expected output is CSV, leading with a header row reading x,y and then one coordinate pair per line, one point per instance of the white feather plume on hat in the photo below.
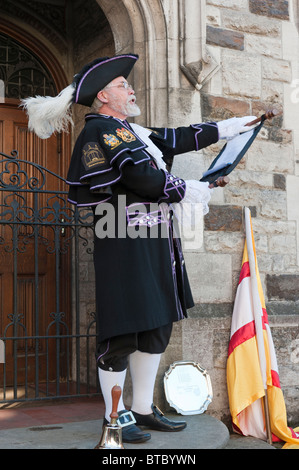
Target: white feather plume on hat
x,y
49,114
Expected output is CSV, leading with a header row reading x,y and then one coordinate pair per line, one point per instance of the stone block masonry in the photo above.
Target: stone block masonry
x,y
225,38
283,287
252,41
271,8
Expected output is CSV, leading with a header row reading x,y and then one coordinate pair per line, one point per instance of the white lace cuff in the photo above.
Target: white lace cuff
x,y
230,128
190,211
198,192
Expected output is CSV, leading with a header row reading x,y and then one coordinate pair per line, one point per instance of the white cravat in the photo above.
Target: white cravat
x,y
152,149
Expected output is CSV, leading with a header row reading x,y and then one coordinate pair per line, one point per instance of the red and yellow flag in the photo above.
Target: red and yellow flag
x,y
251,366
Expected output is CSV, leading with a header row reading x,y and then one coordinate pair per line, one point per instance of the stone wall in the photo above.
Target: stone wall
x,y
251,63
256,45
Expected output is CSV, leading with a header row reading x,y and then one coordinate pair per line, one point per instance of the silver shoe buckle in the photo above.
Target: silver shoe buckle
x,y
125,419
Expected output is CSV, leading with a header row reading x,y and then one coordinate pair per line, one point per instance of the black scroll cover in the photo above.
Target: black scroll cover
x,y
231,154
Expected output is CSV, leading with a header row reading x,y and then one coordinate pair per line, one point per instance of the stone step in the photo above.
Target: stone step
x,y
202,432
240,442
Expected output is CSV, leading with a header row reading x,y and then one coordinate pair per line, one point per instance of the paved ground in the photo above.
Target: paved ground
x,y
78,425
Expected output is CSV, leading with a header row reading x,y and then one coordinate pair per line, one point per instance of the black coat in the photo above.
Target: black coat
x,y
141,280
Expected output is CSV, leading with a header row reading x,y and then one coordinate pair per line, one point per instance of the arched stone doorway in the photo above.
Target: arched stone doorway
x,y
174,63
139,27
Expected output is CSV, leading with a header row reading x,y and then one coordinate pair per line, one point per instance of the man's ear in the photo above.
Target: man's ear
x,y
102,96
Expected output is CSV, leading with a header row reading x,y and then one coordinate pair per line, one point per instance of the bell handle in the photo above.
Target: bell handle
x,y
116,394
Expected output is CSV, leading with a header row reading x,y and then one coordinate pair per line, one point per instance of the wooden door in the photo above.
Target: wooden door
x,y
34,286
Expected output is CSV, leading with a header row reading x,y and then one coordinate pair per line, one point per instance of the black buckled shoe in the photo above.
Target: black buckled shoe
x,y
130,432
157,421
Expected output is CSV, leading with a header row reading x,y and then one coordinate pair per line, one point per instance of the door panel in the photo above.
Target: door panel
x,y
32,271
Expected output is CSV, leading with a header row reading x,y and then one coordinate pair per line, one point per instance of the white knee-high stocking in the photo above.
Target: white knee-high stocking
x,y
143,369
107,381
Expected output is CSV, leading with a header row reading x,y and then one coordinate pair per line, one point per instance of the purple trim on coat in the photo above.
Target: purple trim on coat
x,y
101,355
119,177
127,125
99,172
74,183
88,204
97,186
198,126
96,173
174,139
153,165
173,183
196,135
177,241
78,183
168,217
129,150
143,218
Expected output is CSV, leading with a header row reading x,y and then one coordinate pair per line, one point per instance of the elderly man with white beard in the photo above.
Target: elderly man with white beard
x,y
141,282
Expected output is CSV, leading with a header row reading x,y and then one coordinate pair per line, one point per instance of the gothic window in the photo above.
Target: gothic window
x,y
21,73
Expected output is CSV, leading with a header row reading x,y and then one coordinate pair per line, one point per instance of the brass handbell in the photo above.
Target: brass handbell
x,y
112,432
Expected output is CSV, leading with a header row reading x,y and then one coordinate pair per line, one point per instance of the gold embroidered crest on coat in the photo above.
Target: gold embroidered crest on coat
x,y
92,155
125,135
111,140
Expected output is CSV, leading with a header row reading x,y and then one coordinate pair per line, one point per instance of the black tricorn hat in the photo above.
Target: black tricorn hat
x,y
48,114
98,73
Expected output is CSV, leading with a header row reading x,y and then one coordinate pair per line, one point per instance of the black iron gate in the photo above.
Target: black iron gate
x,y
47,320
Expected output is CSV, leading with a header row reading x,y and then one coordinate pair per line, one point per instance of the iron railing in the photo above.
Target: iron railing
x,y
47,319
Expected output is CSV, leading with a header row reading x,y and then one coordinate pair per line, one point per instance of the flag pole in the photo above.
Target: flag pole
x,y
257,310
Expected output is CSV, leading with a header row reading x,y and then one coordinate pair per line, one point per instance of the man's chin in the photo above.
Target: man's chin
x,y
133,110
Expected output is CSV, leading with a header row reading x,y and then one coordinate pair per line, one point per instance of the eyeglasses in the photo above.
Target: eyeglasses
x,y
124,85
